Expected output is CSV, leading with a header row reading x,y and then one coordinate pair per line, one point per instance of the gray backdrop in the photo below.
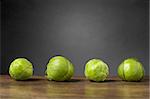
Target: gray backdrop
x,y
111,30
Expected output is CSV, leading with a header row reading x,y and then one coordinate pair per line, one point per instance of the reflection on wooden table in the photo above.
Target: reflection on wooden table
x,y
78,87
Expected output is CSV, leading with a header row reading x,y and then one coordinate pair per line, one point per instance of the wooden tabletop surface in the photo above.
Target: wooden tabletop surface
x,y
77,88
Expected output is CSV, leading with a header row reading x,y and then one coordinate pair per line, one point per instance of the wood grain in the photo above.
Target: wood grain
x,y
77,88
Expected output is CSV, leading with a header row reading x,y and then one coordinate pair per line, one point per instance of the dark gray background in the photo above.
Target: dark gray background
x,y
111,30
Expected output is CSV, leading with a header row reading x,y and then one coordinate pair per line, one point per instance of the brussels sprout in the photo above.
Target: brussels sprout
x,y
21,69
96,70
59,68
131,70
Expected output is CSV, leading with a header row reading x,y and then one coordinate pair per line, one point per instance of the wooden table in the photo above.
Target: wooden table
x,y
77,88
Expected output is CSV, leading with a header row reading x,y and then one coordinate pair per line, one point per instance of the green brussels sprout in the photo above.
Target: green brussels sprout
x,y
96,70
21,69
131,70
59,68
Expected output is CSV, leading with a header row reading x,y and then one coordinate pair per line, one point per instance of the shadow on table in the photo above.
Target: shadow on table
x,y
71,80
109,80
33,79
